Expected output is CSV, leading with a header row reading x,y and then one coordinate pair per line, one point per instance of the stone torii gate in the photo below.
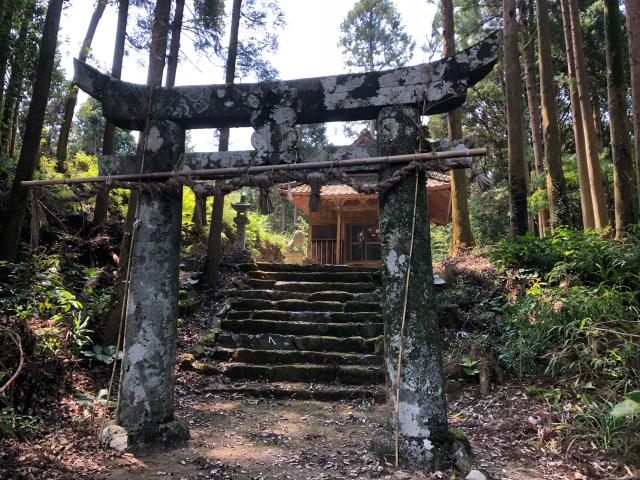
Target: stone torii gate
x,y
396,98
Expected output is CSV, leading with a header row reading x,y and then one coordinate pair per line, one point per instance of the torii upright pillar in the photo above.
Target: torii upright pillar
x,y
146,399
416,405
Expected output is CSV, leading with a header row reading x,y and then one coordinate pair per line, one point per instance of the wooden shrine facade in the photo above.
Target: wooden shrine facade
x,y
345,230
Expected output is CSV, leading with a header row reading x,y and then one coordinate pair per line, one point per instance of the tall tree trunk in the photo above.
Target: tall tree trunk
x,y
212,264
174,49
633,31
14,127
210,274
533,102
623,178
7,13
16,78
109,140
17,204
586,202
462,237
230,69
556,186
72,98
600,213
517,183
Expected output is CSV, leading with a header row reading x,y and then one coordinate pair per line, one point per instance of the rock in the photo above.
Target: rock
x,y
453,386
401,475
115,437
186,361
463,458
475,475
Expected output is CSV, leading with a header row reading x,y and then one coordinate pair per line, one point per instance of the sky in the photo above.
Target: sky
x,y
308,47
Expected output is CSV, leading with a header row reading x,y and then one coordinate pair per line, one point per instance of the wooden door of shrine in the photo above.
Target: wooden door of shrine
x,y
364,243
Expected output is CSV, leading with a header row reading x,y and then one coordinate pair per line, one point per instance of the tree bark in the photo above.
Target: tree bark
x,y
14,128
212,263
230,69
556,186
633,31
214,247
586,202
7,12
533,101
174,49
518,217
72,98
14,86
17,204
109,140
462,236
600,213
623,178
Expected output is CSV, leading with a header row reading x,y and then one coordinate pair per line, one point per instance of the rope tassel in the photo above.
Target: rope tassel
x,y
265,205
316,180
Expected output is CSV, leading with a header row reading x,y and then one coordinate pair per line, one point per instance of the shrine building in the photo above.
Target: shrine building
x,y
345,229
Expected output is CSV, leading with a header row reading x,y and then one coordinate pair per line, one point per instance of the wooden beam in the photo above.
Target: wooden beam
x,y
439,161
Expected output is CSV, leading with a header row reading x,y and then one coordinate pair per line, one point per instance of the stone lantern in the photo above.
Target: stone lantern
x,y
241,220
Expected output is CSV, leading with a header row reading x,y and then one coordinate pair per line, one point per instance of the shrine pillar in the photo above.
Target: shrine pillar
x,y
416,405
146,398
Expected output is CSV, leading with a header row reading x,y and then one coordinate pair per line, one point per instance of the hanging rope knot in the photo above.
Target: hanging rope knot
x,y
316,180
265,205
198,189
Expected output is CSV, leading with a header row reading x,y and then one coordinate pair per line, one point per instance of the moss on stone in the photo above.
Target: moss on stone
x,y
188,302
307,306
210,338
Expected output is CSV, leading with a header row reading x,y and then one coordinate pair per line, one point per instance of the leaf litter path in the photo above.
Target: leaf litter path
x,y
237,437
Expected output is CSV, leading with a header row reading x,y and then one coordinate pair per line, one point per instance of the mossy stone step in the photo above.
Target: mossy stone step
x,y
353,307
283,267
272,341
343,374
314,287
299,391
287,305
329,295
366,330
277,357
332,317
265,294
343,277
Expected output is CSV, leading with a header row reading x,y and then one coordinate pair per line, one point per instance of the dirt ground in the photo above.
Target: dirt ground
x,y
513,435
243,438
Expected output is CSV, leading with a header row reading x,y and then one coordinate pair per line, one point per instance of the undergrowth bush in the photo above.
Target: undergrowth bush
x,y
577,319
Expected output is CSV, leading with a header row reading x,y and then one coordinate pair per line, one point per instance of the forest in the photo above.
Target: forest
x,y
281,335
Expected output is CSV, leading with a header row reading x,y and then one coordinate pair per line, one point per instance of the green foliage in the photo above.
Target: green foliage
x,y
37,291
630,406
469,366
440,242
490,215
578,315
102,354
13,423
88,132
593,422
373,38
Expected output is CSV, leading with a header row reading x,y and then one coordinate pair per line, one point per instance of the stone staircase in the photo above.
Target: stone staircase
x,y
302,331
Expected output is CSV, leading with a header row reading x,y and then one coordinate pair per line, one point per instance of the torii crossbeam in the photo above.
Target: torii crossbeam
x,y
397,98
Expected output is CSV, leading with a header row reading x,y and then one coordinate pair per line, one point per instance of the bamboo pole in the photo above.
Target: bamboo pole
x,y
449,159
